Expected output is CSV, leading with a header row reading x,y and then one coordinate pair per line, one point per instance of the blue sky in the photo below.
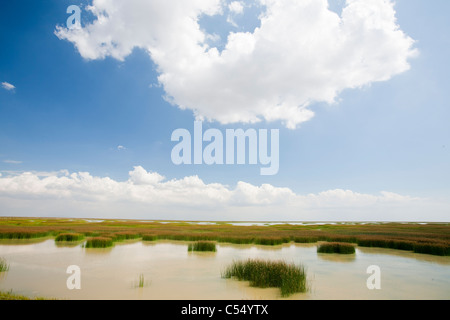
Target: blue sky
x,y
68,111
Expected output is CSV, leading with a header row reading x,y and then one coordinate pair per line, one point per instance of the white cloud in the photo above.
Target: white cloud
x,y
236,7
120,147
302,53
12,161
151,195
8,86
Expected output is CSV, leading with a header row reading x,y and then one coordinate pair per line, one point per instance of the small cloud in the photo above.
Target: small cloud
x,y
121,148
213,37
12,161
236,7
8,86
155,85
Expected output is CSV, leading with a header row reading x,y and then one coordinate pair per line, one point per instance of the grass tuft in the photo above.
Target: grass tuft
x,y
141,281
99,242
202,246
70,237
149,237
264,274
120,236
336,247
4,266
24,234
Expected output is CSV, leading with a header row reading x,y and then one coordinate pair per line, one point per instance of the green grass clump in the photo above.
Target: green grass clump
x,y
141,281
70,237
149,237
434,249
4,266
265,274
9,295
99,242
271,241
336,247
120,236
23,235
202,246
305,239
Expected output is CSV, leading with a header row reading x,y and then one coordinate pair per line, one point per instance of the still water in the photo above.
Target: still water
x,y
172,273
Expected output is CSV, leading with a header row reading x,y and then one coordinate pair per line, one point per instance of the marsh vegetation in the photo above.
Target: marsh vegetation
x,y
336,247
4,266
290,278
432,238
69,237
99,242
202,246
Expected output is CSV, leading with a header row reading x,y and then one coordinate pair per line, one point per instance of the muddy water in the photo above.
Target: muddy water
x,y
170,272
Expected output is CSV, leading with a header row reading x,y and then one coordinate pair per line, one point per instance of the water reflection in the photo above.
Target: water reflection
x,y
336,257
68,244
171,272
98,251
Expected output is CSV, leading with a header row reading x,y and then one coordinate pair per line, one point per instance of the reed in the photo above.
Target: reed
x,y
99,242
9,295
141,281
149,237
25,234
202,246
120,236
271,241
4,266
336,247
290,278
434,249
432,238
69,237
305,239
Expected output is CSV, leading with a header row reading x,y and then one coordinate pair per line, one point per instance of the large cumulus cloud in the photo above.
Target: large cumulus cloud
x,y
301,53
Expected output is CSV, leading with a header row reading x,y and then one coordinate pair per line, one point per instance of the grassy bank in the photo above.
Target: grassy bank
x,y
9,295
430,238
265,274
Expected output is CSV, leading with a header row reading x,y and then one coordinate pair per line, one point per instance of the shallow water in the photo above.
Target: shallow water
x,y
171,272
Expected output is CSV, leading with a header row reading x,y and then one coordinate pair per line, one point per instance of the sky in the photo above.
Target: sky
x,y
357,90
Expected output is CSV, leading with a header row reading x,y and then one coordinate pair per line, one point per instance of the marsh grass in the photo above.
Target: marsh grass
x,y
417,246
336,247
202,246
141,281
24,234
99,242
69,237
290,278
430,238
121,236
305,239
4,266
430,248
9,295
149,237
271,241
